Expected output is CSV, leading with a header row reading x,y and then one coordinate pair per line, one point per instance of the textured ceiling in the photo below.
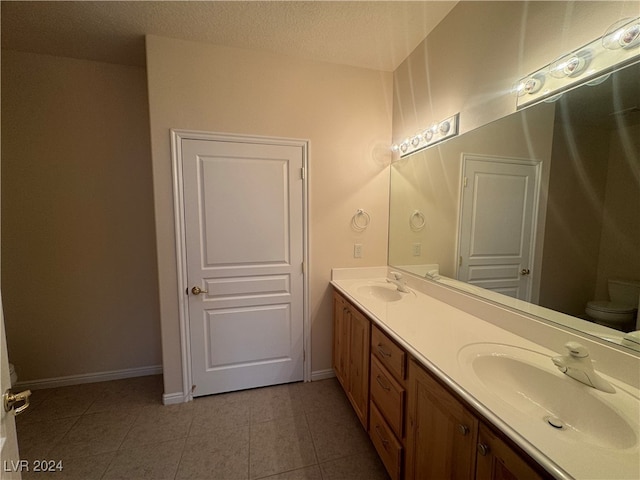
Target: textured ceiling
x,y
378,35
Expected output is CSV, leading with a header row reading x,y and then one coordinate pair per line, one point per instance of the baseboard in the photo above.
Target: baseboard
x,y
173,398
88,378
322,374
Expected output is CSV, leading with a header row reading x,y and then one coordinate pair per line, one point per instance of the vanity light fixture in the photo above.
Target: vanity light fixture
x,y
615,49
437,132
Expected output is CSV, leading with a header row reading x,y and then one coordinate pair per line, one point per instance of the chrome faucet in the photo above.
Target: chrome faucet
x,y
398,282
578,366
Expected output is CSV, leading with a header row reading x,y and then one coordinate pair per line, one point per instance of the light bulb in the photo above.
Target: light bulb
x,y
570,66
444,127
622,34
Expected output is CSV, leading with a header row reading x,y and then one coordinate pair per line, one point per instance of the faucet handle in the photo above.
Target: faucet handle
x,y
396,275
577,350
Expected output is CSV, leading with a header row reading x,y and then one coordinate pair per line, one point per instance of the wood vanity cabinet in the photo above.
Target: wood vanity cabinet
x,y
441,433
446,440
351,334
498,461
387,385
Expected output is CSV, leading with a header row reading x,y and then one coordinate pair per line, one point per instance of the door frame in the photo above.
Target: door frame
x,y
534,284
177,136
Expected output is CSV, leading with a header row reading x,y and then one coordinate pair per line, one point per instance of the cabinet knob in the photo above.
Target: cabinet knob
x,y
483,449
463,429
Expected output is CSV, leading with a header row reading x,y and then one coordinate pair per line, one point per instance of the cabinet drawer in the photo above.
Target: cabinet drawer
x,y
389,449
391,355
388,395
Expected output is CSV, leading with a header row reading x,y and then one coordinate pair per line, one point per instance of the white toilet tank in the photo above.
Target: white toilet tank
x,y
624,292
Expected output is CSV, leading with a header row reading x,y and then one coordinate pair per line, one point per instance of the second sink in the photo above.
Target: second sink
x,y
528,382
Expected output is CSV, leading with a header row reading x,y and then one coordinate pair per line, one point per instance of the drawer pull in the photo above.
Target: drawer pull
x,y
381,383
385,442
483,449
382,352
463,429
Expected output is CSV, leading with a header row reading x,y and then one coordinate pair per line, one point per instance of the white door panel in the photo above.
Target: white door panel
x,y
497,224
9,458
244,243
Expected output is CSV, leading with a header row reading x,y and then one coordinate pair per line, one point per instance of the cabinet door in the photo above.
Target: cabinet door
x,y
341,340
442,433
359,365
497,461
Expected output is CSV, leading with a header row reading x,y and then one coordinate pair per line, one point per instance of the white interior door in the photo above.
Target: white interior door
x,y
243,211
497,226
9,458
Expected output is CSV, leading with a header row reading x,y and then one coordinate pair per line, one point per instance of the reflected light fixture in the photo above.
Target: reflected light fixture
x,y
616,48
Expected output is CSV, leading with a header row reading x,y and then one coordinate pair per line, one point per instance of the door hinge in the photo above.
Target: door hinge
x,y
193,388
302,173
464,182
304,355
460,261
303,267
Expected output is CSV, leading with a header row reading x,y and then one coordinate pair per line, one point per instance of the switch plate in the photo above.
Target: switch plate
x,y
357,250
416,249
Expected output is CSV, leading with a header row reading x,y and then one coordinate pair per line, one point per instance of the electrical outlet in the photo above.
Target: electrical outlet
x,y
416,249
357,250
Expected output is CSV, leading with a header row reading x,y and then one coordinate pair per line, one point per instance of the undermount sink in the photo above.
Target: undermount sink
x,y
528,382
383,292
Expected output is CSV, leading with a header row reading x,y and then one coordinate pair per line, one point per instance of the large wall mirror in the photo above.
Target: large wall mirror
x,y
539,210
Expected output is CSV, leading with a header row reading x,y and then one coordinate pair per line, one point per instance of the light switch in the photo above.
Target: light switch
x,y
357,250
416,249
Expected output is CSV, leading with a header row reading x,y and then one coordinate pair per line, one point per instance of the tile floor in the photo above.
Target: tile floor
x,y
120,430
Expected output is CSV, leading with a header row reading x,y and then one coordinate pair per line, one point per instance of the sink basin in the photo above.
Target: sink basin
x,y
529,383
382,292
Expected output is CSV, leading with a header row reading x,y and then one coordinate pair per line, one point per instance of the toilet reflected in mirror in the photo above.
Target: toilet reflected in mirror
x,y
621,309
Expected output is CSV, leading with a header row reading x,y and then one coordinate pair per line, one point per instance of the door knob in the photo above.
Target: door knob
x,y
10,401
525,271
197,290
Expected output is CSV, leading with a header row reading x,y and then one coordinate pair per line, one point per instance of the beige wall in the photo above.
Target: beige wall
x,y
345,112
78,246
472,59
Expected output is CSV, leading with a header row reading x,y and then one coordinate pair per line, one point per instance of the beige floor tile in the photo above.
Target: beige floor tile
x,y
159,424
121,429
324,394
94,434
280,401
280,446
366,466
307,473
158,461
214,413
59,403
37,439
224,456
337,434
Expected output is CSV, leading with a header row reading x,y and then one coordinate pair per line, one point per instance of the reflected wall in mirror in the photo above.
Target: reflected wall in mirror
x,y
583,229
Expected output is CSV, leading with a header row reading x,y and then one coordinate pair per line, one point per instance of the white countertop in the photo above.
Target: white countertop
x,y
434,332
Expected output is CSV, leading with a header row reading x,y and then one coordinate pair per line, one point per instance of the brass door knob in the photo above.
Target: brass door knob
x,y
197,290
525,271
11,400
